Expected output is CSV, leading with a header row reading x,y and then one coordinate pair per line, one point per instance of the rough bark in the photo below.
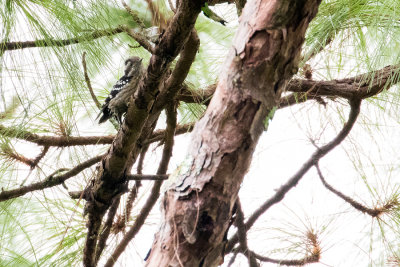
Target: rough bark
x,y
199,201
139,123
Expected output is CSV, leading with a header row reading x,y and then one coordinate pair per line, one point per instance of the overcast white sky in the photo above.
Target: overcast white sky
x,y
346,234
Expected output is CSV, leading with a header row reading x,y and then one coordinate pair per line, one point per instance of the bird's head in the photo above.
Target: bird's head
x,y
133,65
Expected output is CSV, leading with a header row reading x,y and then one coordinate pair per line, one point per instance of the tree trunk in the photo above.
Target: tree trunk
x,y
198,204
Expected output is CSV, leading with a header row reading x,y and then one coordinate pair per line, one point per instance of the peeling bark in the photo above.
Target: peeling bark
x,y
198,203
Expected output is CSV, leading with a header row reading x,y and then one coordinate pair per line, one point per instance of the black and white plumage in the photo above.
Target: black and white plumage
x,y
116,104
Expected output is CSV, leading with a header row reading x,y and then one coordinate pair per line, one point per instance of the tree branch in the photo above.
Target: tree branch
x,y
375,212
110,180
119,225
122,219
292,182
242,234
155,192
106,229
225,138
180,72
65,141
9,153
157,18
140,38
88,83
134,15
300,262
40,156
141,177
314,253
130,177
159,135
60,141
10,109
233,258
53,42
50,181
171,6
361,86
169,46
196,96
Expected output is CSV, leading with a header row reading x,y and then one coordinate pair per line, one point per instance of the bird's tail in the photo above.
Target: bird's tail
x,y
105,114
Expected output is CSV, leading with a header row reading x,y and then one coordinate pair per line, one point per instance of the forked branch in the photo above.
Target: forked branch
x,y
313,253
50,181
155,192
293,181
242,234
361,86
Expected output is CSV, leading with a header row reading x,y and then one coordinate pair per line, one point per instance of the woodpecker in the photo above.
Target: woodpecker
x,y
116,104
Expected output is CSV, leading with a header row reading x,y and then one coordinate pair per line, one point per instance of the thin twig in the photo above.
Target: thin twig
x,y
120,224
83,38
181,70
134,191
131,177
53,42
39,157
140,165
239,6
134,15
157,18
140,38
59,141
49,181
232,260
155,192
151,177
159,135
88,83
10,109
292,182
10,154
171,5
375,212
65,141
313,255
299,262
106,229
321,48
199,96
242,234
